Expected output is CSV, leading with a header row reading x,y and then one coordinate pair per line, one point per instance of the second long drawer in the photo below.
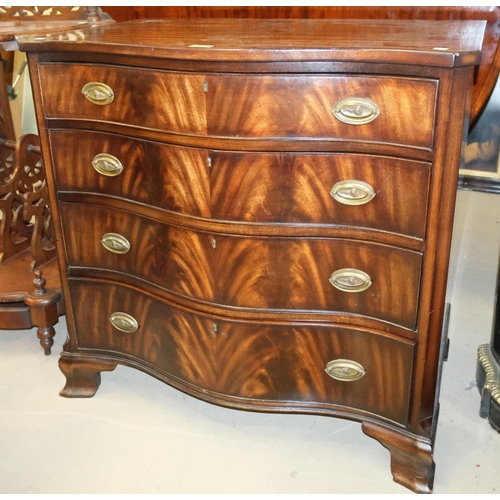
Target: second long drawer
x,y
375,192
353,277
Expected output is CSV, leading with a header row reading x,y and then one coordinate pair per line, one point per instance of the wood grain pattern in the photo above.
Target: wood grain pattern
x,y
383,41
486,74
412,462
83,378
249,106
143,98
263,188
301,106
168,177
210,276
245,360
295,188
275,273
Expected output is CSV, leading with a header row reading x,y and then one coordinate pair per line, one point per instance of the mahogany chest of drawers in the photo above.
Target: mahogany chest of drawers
x,y
259,213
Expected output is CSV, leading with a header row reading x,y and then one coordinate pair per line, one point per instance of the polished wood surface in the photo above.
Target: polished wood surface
x,y
265,187
412,464
448,43
283,106
174,102
264,362
230,222
254,106
245,272
486,73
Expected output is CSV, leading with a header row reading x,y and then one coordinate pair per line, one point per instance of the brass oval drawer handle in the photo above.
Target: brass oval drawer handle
x,y
98,93
344,370
350,280
107,165
356,110
352,192
124,322
115,243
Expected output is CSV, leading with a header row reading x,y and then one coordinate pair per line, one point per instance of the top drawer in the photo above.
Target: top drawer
x,y
367,108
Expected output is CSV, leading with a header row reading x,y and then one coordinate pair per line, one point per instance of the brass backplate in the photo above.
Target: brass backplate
x,y
124,322
115,243
350,280
352,192
356,110
107,165
345,370
98,93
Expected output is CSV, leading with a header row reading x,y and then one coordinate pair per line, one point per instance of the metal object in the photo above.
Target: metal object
x,y
344,370
209,161
98,93
214,243
492,378
124,322
350,280
107,165
205,86
352,192
115,243
356,110
11,90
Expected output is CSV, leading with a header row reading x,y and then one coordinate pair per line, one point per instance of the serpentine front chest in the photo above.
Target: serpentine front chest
x,y
259,213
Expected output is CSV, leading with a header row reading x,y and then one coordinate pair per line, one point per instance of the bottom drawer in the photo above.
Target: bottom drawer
x,y
260,363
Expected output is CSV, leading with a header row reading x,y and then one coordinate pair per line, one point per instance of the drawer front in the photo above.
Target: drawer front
x,y
153,99
269,363
382,193
267,273
169,177
247,106
302,106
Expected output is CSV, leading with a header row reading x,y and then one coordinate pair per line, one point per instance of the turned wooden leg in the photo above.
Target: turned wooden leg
x,y
83,375
412,463
46,336
43,311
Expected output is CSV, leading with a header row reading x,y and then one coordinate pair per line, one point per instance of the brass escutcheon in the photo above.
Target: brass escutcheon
x,y
115,243
98,93
344,370
350,280
124,322
107,165
356,110
352,192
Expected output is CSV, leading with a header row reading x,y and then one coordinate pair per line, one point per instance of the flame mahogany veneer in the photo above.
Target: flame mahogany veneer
x,y
259,212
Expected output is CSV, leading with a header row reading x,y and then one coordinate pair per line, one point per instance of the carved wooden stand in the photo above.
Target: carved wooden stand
x,y
27,247
26,243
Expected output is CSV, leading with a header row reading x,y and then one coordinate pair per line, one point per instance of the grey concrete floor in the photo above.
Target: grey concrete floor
x,y
138,435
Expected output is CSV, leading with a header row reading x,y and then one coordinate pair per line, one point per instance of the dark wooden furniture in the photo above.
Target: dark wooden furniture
x,y
27,246
26,242
259,213
488,368
485,77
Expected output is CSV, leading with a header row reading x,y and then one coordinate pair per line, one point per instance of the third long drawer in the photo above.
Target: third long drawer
x,y
336,275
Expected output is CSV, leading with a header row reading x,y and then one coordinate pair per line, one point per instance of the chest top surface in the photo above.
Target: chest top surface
x,y
443,43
